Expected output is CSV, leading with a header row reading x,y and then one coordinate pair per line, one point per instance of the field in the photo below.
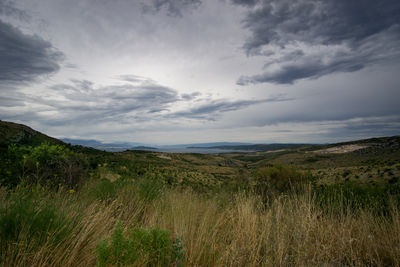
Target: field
x,y
65,205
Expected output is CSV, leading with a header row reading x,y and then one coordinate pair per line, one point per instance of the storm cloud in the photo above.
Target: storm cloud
x,y
311,38
24,57
135,99
212,108
172,7
8,9
84,101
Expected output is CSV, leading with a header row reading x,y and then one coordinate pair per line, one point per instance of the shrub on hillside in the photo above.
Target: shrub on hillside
x,y
353,196
45,164
11,165
269,181
151,247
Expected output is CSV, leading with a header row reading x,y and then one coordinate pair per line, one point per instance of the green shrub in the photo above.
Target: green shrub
x,y
11,165
151,246
45,164
352,196
54,164
278,179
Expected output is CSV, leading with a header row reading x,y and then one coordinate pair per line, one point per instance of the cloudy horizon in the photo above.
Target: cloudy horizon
x,y
194,71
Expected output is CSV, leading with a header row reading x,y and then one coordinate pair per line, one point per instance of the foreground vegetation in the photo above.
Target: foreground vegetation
x,y
73,206
139,224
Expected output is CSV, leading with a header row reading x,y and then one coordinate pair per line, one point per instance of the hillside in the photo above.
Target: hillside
x,y
374,160
66,205
11,132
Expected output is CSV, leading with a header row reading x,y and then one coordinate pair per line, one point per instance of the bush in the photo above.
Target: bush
x,y
45,164
278,179
353,196
151,246
11,165
55,164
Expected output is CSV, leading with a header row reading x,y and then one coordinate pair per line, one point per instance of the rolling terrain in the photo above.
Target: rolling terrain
x,y
305,205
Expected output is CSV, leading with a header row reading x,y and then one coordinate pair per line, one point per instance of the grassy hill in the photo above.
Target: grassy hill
x,y
14,133
64,205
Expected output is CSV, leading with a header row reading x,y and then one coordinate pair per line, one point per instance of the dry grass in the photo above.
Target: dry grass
x,y
226,231
292,231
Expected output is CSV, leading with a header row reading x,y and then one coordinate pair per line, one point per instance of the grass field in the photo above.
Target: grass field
x,y
65,228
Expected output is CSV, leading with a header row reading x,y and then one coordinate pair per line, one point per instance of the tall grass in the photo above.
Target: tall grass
x,y
222,230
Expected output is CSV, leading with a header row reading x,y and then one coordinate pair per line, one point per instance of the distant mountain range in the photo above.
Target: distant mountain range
x,y
254,147
205,145
112,147
115,147
14,133
232,146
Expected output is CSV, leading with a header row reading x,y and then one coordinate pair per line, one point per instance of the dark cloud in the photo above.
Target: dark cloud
x,y
385,125
333,36
7,8
82,102
83,95
287,70
11,99
245,2
360,128
190,96
135,79
25,57
172,7
212,108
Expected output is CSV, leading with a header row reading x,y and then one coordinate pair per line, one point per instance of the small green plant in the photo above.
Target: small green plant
x,y
179,252
152,247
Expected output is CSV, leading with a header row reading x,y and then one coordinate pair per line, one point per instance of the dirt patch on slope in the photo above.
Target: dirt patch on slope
x,y
340,149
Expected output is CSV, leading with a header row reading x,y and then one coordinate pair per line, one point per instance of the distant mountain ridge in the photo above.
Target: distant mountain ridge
x,y
255,147
11,132
205,145
112,147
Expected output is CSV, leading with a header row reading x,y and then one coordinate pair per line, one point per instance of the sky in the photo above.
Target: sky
x,y
193,71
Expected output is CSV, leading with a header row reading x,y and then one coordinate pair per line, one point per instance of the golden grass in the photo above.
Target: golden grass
x,y
290,232
228,231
